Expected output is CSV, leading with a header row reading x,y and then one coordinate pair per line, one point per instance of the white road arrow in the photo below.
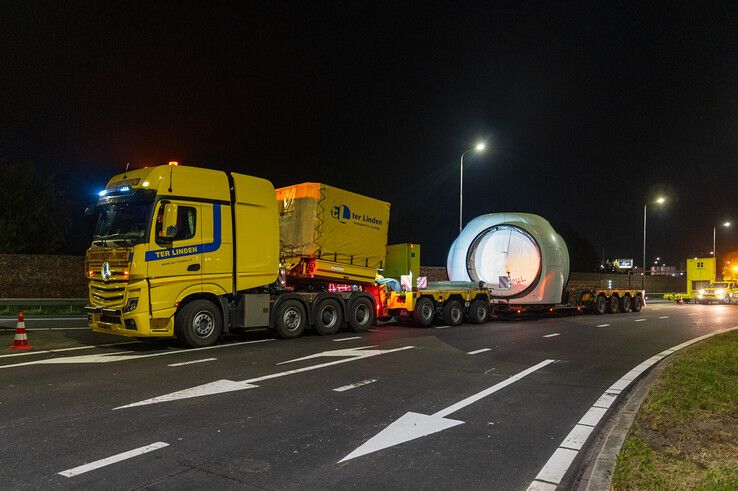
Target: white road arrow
x,y
415,425
224,385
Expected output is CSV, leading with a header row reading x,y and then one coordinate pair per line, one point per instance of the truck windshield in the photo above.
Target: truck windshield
x,y
123,221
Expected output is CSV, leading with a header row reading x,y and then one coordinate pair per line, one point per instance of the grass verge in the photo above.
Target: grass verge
x,y
685,435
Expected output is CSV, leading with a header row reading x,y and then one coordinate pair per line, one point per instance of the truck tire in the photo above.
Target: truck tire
x,y
637,303
613,304
424,312
478,312
726,299
360,314
452,313
198,324
599,306
625,304
290,319
328,317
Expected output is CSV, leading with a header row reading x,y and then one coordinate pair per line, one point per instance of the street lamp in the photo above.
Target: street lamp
x,y
479,147
659,201
714,233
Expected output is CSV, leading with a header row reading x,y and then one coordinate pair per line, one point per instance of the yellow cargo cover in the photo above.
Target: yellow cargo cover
x,y
320,221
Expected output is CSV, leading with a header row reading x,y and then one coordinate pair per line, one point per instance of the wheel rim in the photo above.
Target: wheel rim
x,y
426,310
291,319
456,314
203,324
328,316
481,312
362,314
626,303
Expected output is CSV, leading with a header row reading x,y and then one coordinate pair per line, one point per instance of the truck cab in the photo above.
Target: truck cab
x,y
718,292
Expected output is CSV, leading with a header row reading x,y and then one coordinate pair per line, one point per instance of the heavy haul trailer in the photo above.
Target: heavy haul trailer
x,y
524,264
194,253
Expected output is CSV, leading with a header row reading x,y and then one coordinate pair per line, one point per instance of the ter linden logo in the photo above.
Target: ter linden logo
x,y
105,271
343,214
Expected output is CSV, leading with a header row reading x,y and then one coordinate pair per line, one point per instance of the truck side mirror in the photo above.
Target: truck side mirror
x,y
169,222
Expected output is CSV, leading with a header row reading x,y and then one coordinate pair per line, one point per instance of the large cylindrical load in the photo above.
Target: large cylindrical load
x,y
518,256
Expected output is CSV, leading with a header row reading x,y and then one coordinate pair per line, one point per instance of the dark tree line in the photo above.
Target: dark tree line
x,y
35,217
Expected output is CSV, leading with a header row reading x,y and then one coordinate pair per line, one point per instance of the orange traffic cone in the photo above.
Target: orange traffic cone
x,y
681,301
20,342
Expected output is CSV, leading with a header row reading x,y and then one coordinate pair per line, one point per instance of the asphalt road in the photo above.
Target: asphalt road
x,y
467,407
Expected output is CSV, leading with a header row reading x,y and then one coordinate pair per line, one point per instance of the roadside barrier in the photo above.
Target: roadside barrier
x,y
20,342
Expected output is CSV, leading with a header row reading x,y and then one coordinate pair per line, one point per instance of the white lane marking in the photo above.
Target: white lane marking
x,y
347,339
694,313
181,364
603,325
355,385
551,335
113,459
639,320
663,317
123,355
415,425
60,350
477,351
442,327
558,465
225,385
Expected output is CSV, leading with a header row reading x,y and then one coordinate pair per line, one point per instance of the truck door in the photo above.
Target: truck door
x,y
175,265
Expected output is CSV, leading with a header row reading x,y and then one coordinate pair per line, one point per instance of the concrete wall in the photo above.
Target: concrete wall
x,y
27,276
656,284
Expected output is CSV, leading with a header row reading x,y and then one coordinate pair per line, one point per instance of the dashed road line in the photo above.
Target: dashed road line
x,y
354,385
442,327
553,472
113,459
663,317
61,350
181,364
347,339
640,320
477,351
603,325
551,335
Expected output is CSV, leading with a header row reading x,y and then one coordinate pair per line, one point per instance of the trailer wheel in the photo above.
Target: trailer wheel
x,y
726,299
360,314
198,324
452,313
478,312
328,317
625,304
600,305
637,304
424,312
613,304
290,319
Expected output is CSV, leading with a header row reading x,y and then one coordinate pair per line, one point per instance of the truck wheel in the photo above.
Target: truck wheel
x,y
478,312
198,324
637,304
328,317
452,313
290,319
360,314
613,305
625,304
600,305
726,299
424,312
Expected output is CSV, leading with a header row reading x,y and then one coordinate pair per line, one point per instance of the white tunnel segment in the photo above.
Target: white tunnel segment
x,y
518,256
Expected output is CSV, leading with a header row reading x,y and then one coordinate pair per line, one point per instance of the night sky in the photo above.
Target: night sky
x,y
589,109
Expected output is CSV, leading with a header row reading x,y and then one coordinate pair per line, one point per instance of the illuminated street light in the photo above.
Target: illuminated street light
x,y
479,147
714,233
660,200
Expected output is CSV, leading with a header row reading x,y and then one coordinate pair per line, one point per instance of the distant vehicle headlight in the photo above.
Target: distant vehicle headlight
x,y
720,292
702,291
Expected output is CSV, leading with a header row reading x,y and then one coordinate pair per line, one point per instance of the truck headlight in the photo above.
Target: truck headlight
x,y
702,291
720,292
131,305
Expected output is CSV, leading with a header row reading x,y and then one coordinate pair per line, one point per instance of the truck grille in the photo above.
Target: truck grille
x,y
111,293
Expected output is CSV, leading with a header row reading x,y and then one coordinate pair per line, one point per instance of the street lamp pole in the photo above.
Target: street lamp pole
x,y
479,147
643,277
714,233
